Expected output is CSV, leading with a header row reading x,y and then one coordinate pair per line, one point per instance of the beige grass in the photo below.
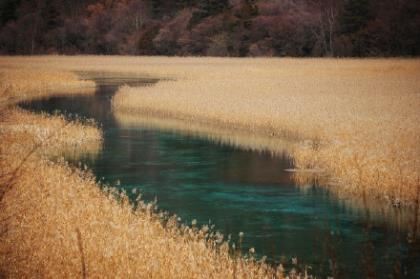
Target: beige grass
x,y
54,135
52,202
24,84
400,220
57,223
357,119
341,110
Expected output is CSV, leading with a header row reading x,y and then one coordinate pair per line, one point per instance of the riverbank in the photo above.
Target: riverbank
x,y
339,110
356,121
57,222
18,84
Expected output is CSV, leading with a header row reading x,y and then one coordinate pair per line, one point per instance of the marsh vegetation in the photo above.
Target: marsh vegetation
x,y
57,221
327,116
356,120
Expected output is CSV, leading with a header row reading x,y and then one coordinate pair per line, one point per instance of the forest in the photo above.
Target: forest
x,y
228,28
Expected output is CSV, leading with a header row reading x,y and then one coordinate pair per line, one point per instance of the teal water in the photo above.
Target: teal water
x,y
243,191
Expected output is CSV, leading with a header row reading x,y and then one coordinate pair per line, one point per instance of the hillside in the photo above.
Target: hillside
x,y
211,28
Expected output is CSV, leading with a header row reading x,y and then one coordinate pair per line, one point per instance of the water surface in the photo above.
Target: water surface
x,y
242,191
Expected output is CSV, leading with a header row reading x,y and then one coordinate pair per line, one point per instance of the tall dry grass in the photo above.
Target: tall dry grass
x,y
54,135
399,220
357,120
23,84
63,226
341,110
56,221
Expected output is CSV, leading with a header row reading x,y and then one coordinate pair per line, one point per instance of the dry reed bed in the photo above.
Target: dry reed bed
x,y
23,84
340,110
358,120
400,220
54,135
52,203
56,221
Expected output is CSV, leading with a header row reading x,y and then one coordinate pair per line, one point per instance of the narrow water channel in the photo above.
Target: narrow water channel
x,y
242,191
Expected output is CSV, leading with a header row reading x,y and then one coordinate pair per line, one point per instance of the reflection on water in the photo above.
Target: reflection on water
x,y
239,139
400,219
232,180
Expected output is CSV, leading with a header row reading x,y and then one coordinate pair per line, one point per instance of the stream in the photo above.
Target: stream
x,y
241,190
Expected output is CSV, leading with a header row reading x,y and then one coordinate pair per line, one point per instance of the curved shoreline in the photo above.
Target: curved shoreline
x,y
339,119
75,189
59,223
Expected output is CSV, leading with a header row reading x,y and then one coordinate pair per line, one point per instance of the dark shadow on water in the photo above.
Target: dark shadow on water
x,y
241,188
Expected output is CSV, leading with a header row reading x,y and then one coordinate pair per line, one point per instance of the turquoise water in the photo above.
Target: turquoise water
x,y
243,191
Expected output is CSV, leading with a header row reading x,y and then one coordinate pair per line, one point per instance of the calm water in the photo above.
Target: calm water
x,y
242,191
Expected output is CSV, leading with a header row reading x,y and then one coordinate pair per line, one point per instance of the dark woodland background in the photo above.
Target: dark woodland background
x,y
211,27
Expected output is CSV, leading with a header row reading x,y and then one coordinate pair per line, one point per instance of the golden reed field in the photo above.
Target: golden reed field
x,y
57,222
355,121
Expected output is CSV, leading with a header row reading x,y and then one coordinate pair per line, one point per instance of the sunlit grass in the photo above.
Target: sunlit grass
x,y
52,202
56,222
23,84
54,135
357,120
